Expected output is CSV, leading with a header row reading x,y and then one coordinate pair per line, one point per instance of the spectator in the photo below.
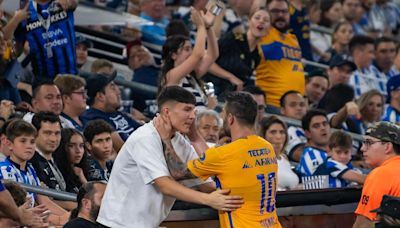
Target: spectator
x,y
259,97
371,109
89,202
71,158
239,55
316,127
280,69
149,184
385,54
294,105
392,110
363,79
208,123
386,15
381,150
185,67
396,65
340,70
102,66
74,97
82,45
21,136
98,134
352,11
4,148
54,53
317,83
178,26
338,166
104,98
236,16
274,131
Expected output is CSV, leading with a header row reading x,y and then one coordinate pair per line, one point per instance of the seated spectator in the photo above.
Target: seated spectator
x,y
184,67
274,131
338,166
21,136
317,83
71,158
316,127
385,54
4,148
98,134
384,17
104,98
82,45
260,98
178,27
239,55
392,110
340,70
208,123
102,66
89,202
74,97
353,13
294,105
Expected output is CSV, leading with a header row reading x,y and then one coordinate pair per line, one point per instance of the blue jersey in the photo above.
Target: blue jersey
x,y
310,160
52,52
334,170
2,188
391,115
9,170
300,26
121,122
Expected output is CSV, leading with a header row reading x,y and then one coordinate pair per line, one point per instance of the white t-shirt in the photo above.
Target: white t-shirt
x,y
287,179
297,137
64,122
131,199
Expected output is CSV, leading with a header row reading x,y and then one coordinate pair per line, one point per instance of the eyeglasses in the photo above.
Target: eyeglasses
x,y
82,93
278,11
368,142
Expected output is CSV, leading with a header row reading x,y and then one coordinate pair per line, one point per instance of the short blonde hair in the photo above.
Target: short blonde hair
x,y
68,83
101,63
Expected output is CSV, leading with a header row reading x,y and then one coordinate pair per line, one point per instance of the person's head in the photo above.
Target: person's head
x,y
48,126
331,12
362,50
240,110
21,140
371,105
72,147
385,53
102,66
314,11
316,127
381,142
342,33
340,70
340,145
137,54
280,16
350,9
208,123
156,9
293,105
337,97
393,90
89,199
46,97
4,148
274,130
103,93
259,97
73,93
82,45
176,27
317,83
259,23
98,139
178,105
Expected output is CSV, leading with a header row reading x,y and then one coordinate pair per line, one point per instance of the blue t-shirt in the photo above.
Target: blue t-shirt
x,y
334,170
121,122
60,38
98,173
310,160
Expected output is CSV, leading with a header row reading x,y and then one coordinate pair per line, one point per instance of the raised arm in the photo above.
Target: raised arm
x,y
12,25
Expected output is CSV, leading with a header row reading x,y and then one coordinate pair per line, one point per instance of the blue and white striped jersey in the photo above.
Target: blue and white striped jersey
x,y
310,160
391,115
334,170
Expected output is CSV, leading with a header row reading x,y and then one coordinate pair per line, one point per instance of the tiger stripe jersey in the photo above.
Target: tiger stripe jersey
x,y
248,167
280,68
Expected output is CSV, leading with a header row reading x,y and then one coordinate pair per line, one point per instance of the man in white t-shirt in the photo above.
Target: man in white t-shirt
x,y
141,191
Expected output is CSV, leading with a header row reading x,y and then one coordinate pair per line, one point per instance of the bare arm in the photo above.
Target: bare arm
x,y
59,216
8,207
350,109
351,175
12,25
220,72
363,222
117,141
211,54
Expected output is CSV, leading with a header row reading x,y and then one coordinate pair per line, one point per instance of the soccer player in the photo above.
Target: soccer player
x,y
247,166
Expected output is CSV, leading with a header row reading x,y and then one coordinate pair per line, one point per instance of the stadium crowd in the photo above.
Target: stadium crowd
x,y
67,125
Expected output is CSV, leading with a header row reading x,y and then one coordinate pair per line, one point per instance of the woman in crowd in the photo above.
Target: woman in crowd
x,y
342,34
239,54
70,157
185,66
274,131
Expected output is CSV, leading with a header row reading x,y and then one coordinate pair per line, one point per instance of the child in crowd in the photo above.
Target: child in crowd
x,y
338,165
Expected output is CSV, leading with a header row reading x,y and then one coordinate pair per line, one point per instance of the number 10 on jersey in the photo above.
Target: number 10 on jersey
x,y
269,205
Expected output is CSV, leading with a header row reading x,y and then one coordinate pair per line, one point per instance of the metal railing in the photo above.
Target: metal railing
x,y
58,195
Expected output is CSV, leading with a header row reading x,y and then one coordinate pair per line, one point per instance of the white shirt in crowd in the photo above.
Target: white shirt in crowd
x,y
287,179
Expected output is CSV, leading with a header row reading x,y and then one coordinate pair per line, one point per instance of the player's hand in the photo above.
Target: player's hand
x,y
220,200
163,125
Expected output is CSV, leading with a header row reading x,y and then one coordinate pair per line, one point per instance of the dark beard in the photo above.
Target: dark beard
x,y
94,211
282,30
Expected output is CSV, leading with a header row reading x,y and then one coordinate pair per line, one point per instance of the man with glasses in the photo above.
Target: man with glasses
x,y
74,97
280,68
381,150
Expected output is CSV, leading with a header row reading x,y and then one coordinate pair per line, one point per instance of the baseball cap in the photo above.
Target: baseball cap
x,y
80,39
131,44
340,60
385,131
390,205
317,73
96,83
392,84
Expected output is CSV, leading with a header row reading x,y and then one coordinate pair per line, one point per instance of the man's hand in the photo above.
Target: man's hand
x,y
22,14
220,200
6,109
352,109
162,123
31,216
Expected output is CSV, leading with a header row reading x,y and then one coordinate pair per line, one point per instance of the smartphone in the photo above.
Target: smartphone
x,y
215,6
22,3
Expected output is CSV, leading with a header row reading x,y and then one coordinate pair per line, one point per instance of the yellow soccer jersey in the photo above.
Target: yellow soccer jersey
x,y
280,68
248,167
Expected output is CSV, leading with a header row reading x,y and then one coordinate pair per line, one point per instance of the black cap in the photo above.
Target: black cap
x,y
392,84
96,83
390,206
340,60
317,73
80,39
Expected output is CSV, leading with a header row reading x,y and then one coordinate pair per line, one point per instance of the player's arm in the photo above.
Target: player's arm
x,y
353,176
363,222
